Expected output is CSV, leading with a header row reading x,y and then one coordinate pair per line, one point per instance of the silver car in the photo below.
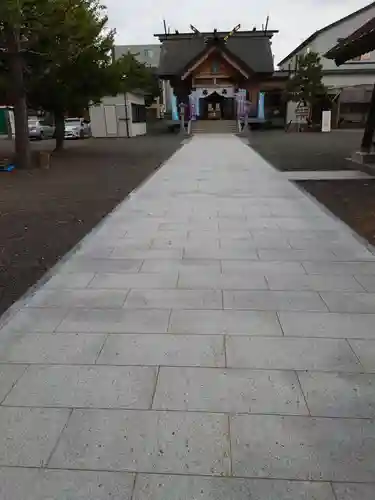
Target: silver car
x,y
40,129
77,128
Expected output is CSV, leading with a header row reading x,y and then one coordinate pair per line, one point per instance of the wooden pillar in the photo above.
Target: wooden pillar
x,y
370,126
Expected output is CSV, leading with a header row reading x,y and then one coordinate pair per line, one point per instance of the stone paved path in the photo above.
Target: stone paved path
x,y
213,340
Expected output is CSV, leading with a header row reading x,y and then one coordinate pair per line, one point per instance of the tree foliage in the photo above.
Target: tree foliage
x,y
74,62
20,23
65,51
306,84
136,75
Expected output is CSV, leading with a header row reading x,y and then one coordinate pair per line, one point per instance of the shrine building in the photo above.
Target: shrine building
x,y
215,73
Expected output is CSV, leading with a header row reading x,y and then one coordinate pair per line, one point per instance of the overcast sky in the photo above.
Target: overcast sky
x,y
136,21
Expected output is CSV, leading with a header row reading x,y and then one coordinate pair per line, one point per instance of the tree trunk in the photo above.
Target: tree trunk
x,y
366,145
59,130
22,141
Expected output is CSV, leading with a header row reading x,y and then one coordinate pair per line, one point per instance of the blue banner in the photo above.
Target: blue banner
x,y
174,108
261,114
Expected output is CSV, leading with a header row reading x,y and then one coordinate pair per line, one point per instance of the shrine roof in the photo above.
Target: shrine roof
x,y
252,48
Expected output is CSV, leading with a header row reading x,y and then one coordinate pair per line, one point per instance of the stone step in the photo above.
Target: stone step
x,y
214,127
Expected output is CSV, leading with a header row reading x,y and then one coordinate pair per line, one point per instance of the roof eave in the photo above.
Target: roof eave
x,y
230,57
358,43
194,63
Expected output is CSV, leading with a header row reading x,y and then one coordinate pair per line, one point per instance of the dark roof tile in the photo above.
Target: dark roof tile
x,y
254,52
356,44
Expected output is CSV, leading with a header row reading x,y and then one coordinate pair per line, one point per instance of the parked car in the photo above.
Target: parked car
x,y
77,128
40,129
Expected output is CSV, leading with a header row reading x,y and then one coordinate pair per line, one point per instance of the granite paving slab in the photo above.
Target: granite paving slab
x,y
212,339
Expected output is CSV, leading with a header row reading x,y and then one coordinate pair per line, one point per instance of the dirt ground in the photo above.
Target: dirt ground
x,y
353,201
306,151
44,213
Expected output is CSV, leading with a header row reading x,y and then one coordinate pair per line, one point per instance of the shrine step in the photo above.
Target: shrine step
x,y
214,127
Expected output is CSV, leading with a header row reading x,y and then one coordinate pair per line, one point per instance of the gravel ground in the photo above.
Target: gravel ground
x,y
44,213
353,201
306,151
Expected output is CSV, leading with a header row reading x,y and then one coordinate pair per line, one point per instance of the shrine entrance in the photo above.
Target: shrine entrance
x,y
217,107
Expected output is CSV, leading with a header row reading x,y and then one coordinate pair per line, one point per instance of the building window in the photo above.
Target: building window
x,y
138,113
148,53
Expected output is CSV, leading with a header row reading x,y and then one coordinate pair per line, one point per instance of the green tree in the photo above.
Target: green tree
x,y
306,84
153,87
76,65
136,75
78,68
20,22
4,91
56,55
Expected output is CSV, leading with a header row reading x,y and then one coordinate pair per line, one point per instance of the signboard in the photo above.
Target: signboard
x,y
326,121
302,111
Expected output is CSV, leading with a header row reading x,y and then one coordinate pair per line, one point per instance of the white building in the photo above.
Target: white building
x,y
354,79
119,116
